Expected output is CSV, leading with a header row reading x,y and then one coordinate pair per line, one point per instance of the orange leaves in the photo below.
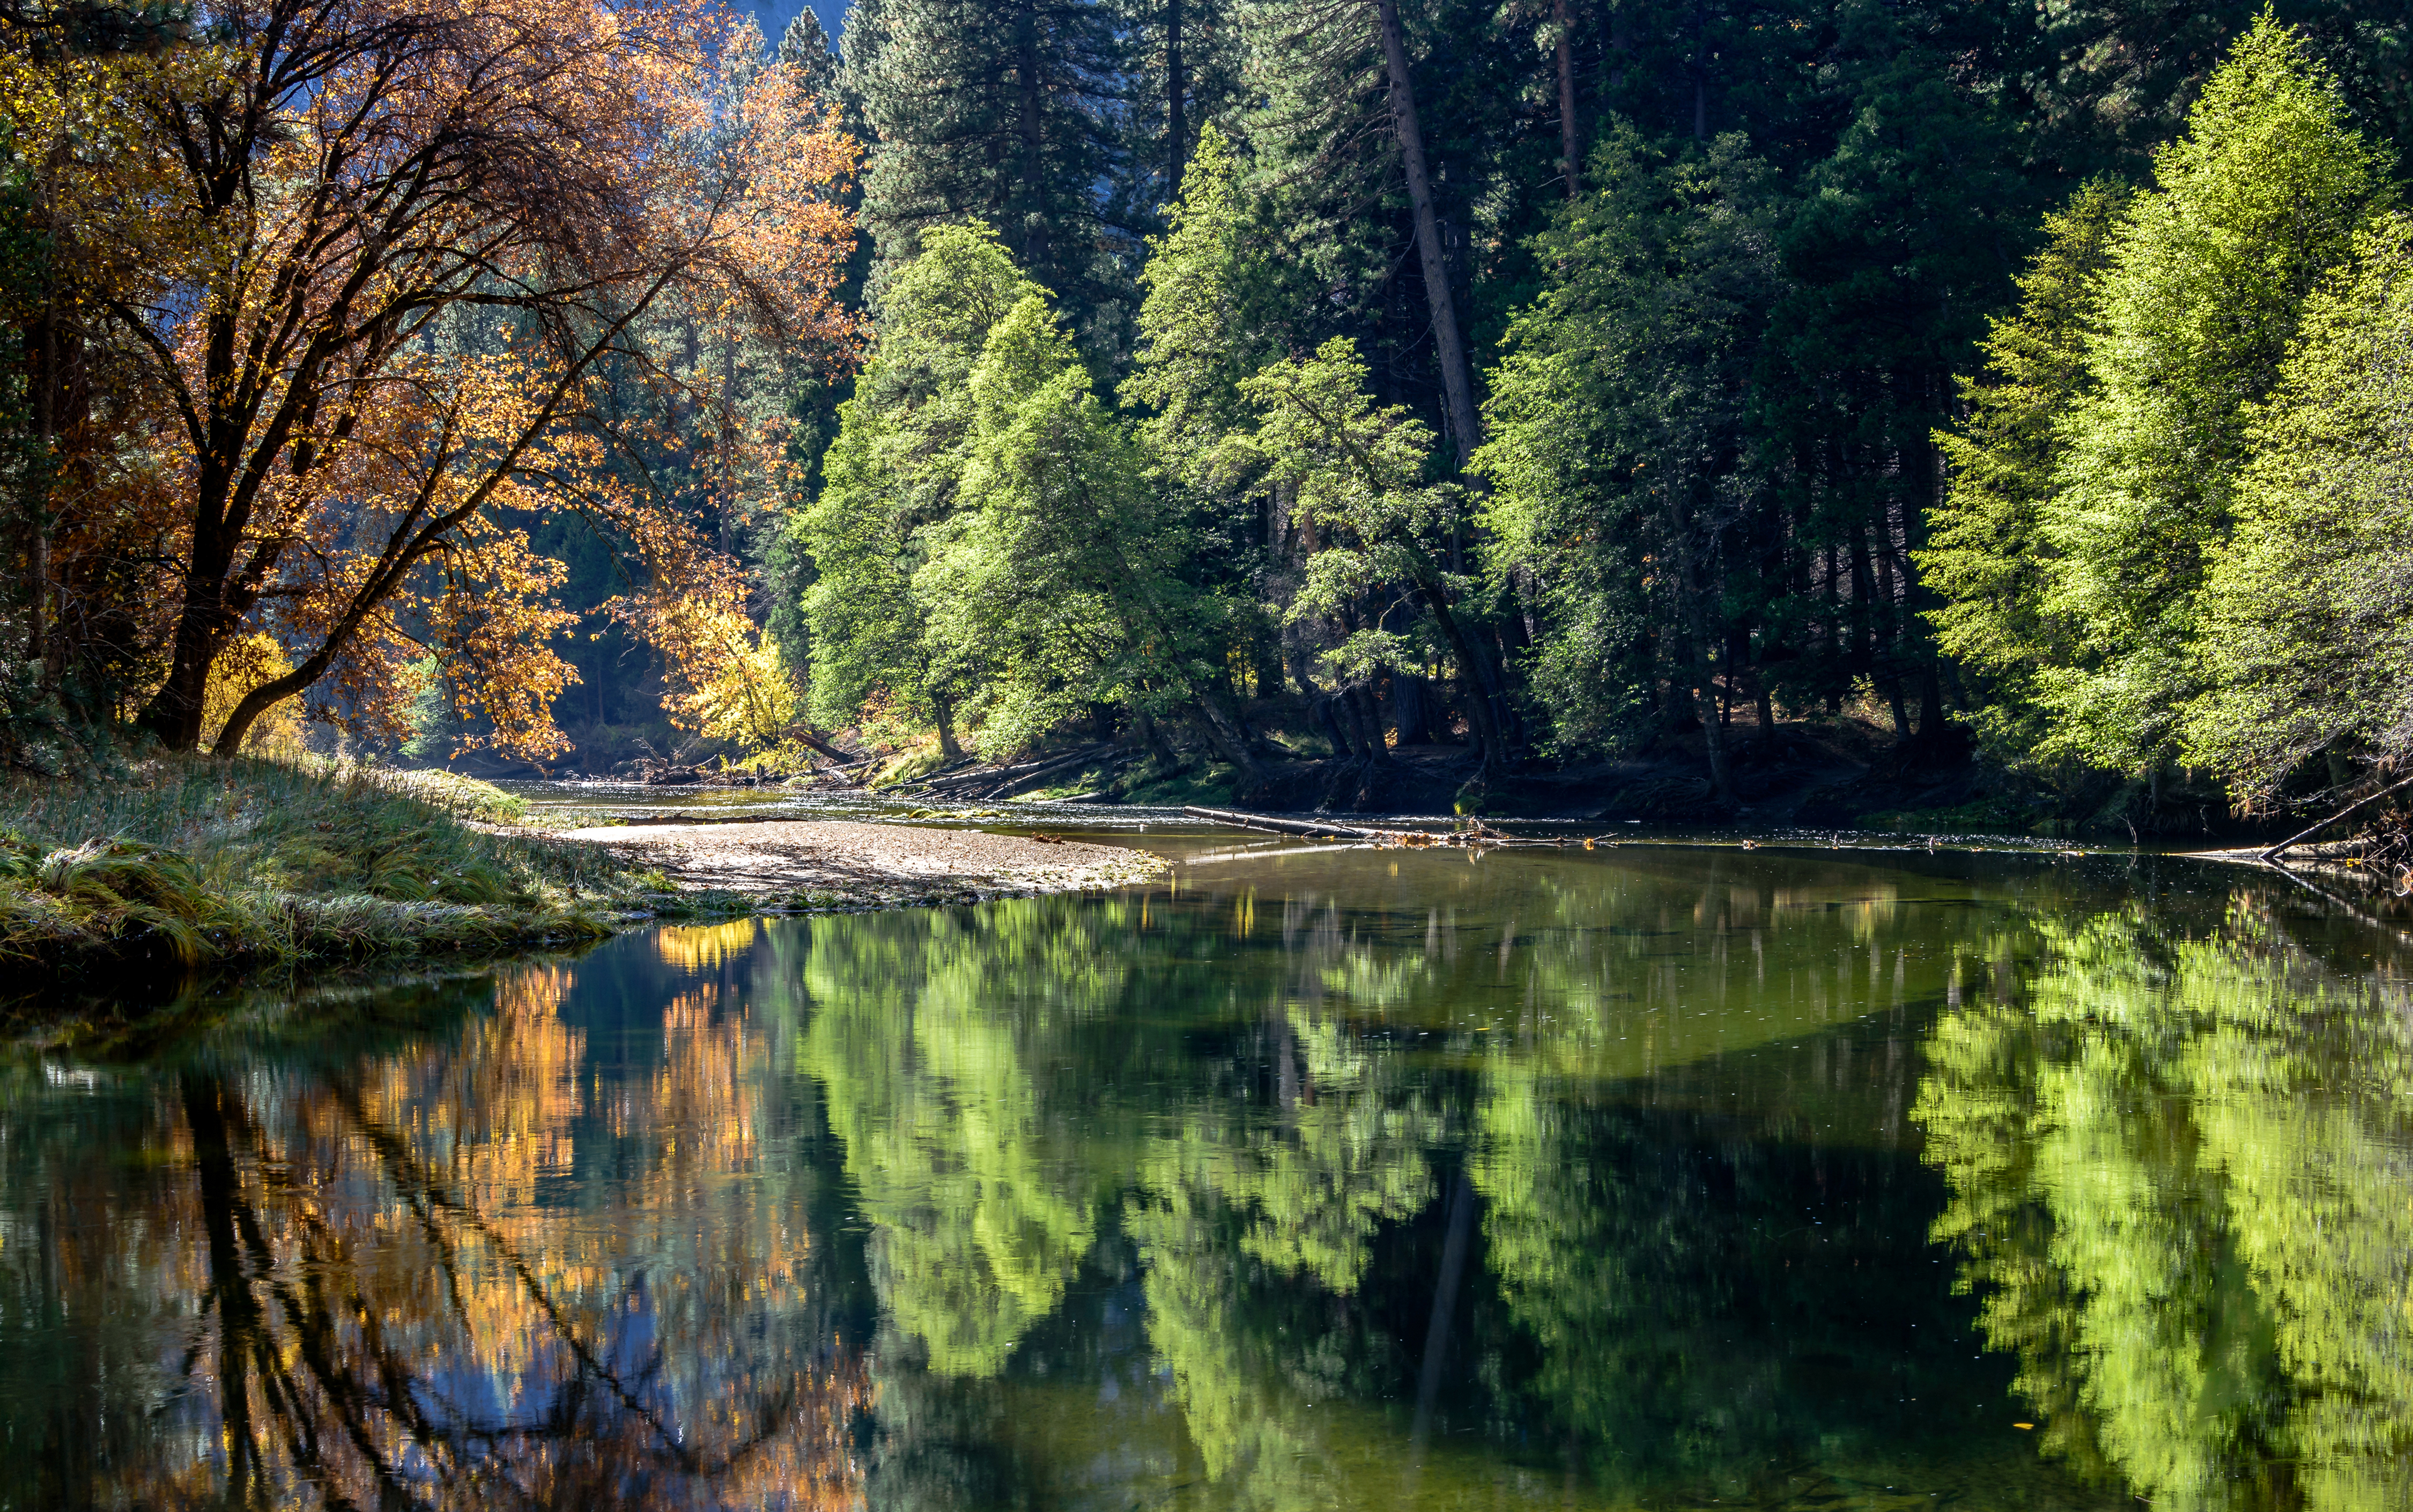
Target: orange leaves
x,y
445,239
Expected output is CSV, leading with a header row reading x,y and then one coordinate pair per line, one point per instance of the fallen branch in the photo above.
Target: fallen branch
x,y
2272,855
1031,779
978,776
1315,829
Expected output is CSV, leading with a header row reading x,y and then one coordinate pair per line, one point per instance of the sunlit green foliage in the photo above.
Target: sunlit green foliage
x,y
2208,273
1989,556
2187,1225
2308,616
1619,451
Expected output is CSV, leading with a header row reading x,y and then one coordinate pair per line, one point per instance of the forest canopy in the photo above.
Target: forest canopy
x,y
1563,383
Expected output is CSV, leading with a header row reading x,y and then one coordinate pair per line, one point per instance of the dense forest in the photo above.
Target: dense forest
x,y
1547,386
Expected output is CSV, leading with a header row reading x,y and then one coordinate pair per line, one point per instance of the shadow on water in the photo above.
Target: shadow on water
x,y
1642,1179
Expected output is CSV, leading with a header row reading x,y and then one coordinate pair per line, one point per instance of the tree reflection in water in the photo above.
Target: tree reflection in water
x,y
377,1306
2182,1164
1595,1181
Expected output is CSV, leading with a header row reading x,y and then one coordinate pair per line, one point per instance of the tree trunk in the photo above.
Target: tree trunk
x,y
1408,712
1570,131
1150,736
1457,384
1700,73
1701,693
1176,88
1486,707
948,747
1369,723
1222,731
1713,733
1319,708
1032,234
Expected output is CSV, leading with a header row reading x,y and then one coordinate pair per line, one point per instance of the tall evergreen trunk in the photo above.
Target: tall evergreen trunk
x,y
1457,384
1176,90
1032,234
1570,130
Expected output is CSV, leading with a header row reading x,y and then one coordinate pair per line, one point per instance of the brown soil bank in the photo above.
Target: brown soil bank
x,y
834,863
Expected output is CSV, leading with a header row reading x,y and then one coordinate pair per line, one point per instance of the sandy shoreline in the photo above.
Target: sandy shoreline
x,y
839,863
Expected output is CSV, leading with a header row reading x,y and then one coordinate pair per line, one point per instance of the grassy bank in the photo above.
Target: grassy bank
x,y
180,863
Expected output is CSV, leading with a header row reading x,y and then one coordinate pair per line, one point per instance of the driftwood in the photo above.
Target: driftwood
x,y
2272,855
1058,769
994,782
1476,836
1313,829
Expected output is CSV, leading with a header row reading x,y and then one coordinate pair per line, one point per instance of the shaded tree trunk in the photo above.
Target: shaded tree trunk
x,y
1457,384
948,746
1176,89
1570,129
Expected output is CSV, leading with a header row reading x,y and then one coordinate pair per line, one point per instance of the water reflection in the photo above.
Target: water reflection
x,y
1612,1180
370,1279
2183,1181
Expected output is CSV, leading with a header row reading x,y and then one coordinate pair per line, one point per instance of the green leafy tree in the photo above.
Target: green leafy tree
x,y
892,472
1058,583
2210,273
1988,556
1621,457
2307,638
1358,471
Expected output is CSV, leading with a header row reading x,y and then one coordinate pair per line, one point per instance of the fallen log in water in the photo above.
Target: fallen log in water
x,y
1314,829
1476,836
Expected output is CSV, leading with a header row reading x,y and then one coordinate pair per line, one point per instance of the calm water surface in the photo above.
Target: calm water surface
x,y
1642,1178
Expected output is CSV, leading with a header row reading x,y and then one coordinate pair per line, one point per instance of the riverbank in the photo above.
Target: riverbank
x,y
848,864
178,864
175,866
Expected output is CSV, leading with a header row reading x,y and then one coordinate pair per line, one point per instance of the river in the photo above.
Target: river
x,y
1647,1176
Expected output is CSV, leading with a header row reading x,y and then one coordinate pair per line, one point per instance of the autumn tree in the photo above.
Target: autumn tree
x,y
430,228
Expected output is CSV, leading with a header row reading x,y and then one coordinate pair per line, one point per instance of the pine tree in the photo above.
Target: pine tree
x,y
1008,113
2251,209
1987,555
2308,625
804,46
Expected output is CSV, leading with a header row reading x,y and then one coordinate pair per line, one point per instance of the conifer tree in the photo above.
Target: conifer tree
x,y
804,47
2307,627
1621,460
2251,209
1987,555
1007,113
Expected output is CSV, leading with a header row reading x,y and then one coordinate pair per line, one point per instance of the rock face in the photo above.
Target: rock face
x,y
837,863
